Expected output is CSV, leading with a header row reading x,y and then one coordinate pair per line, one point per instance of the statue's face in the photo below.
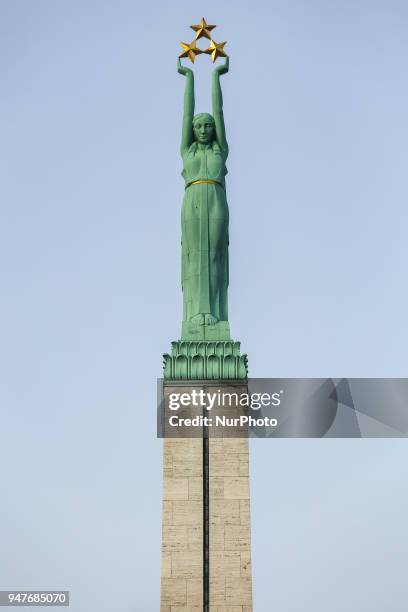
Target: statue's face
x,y
203,130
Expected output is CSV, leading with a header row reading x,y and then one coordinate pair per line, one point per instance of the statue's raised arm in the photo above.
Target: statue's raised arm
x,y
187,136
217,105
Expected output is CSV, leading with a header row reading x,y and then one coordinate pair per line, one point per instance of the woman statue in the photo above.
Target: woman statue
x,y
204,217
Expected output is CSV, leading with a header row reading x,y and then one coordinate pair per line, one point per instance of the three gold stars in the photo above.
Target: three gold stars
x,y
203,30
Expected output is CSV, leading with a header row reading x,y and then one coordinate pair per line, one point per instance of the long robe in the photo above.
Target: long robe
x,y
204,226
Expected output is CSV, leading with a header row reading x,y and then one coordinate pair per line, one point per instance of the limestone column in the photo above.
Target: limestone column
x,y
206,539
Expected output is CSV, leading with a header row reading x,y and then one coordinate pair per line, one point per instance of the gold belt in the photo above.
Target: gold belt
x,y
205,182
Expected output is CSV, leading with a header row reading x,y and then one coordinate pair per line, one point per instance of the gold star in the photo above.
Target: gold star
x,y
190,50
216,50
202,29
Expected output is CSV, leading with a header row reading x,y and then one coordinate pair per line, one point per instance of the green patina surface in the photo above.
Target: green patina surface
x,y
205,350
205,361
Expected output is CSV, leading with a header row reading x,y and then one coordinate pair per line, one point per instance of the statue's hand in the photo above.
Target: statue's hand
x,y
183,69
222,68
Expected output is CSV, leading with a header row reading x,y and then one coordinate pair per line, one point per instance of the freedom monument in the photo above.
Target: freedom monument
x,y
206,552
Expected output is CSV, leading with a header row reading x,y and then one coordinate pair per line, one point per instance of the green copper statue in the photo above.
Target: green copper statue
x,y
205,350
204,217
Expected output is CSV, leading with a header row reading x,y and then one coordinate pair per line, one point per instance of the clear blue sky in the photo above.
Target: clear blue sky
x,y
315,105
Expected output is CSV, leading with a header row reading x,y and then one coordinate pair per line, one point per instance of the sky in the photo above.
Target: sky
x,y
315,107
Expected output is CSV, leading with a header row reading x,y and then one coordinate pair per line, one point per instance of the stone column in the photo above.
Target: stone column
x,y
197,501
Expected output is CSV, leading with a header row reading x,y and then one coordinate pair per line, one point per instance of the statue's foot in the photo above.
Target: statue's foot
x,y
210,320
197,319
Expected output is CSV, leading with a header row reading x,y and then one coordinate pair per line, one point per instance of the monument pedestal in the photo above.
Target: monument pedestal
x,y
206,541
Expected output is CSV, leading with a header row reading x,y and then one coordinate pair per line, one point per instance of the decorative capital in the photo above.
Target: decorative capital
x,y
205,361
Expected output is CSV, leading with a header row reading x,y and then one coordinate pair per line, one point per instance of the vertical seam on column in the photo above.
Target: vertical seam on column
x,y
206,503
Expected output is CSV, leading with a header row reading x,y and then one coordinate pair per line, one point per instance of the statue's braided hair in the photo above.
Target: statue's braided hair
x,y
202,116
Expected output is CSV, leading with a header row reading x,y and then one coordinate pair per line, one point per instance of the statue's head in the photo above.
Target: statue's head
x,y
203,128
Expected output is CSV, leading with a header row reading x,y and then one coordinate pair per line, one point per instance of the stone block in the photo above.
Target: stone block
x,y
224,563
195,488
174,538
224,465
174,591
187,564
236,488
229,445
238,591
188,513
195,538
166,565
216,487
186,609
246,569
237,538
187,458
244,511
217,539
167,513
243,465
217,592
225,511
175,488
195,592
